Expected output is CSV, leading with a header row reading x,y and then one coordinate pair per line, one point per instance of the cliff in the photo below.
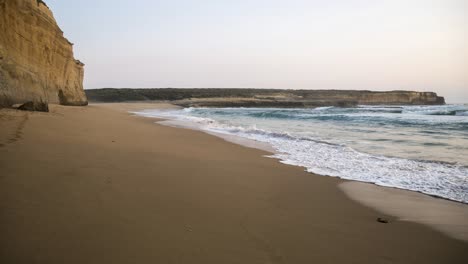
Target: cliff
x,y
266,97
36,60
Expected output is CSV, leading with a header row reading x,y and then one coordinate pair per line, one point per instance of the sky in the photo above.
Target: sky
x,y
296,44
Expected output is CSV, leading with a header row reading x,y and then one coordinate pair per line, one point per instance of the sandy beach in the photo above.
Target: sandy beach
x,y
98,185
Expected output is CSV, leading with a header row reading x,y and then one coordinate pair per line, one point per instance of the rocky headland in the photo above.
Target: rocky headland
x,y
36,60
204,97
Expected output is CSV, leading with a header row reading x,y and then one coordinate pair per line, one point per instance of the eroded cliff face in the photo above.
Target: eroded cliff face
x,y
379,98
36,60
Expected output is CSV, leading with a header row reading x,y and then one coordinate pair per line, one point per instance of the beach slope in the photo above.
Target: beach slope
x,y
98,185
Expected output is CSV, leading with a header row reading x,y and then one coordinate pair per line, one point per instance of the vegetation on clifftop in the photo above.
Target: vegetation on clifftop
x,y
263,97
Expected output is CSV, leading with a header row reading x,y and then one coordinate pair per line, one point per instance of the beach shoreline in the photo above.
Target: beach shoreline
x,y
113,182
405,205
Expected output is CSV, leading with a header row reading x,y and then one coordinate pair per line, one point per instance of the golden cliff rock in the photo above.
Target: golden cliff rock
x,y
36,60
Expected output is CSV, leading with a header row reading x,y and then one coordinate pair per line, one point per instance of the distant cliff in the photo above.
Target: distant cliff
x,y
265,97
36,60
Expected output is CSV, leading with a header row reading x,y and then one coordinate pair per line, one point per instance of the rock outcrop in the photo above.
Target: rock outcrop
x,y
204,97
379,98
36,60
34,106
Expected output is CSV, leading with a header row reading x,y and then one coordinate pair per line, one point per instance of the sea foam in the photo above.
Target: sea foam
x,y
288,132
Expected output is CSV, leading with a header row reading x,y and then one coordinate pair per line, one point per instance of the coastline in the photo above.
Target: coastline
x,y
447,216
104,186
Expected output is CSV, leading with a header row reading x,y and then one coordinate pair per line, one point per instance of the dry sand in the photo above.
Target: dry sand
x,y
97,185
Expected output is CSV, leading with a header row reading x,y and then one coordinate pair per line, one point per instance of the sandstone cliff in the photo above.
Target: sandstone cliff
x,y
36,60
266,97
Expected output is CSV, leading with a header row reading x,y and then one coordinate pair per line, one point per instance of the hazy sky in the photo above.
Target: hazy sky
x,y
302,44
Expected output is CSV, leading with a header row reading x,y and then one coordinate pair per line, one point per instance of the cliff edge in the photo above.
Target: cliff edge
x,y
215,97
36,60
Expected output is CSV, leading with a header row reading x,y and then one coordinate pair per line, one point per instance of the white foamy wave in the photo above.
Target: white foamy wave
x,y
328,158
323,108
325,158
178,115
434,110
439,179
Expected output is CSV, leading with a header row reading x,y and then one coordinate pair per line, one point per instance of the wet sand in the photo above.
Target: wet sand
x,y
446,216
98,185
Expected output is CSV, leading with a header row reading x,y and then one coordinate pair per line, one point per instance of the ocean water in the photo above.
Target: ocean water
x,y
418,148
